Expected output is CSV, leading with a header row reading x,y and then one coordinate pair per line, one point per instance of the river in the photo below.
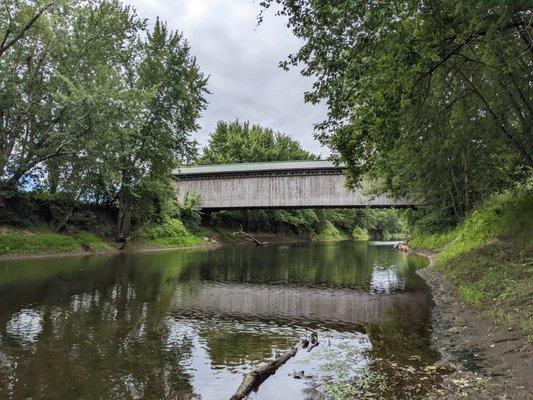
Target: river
x,y
186,324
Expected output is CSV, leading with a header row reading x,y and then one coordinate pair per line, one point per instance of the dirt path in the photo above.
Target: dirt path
x,y
490,361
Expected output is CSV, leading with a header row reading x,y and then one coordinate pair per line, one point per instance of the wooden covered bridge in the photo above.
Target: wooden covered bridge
x,y
268,185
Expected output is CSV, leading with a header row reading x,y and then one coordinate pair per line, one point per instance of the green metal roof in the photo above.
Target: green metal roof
x,y
256,167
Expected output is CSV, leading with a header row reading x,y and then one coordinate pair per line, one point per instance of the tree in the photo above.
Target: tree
x,y
234,142
431,98
17,18
167,91
58,82
94,105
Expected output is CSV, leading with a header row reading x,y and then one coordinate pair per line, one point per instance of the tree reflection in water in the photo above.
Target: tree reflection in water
x,y
185,324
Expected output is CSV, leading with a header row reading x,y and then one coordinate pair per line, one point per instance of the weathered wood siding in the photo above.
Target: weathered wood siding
x,y
315,191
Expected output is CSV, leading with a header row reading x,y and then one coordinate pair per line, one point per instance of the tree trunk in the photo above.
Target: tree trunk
x,y
258,375
7,148
124,213
257,242
63,224
53,177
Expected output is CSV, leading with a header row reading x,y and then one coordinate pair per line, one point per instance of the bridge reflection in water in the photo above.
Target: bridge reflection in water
x,y
315,306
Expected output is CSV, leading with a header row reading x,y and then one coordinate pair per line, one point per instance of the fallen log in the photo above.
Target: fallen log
x,y
257,242
402,246
312,346
254,378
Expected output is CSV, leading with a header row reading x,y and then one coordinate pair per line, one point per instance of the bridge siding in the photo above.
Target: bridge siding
x,y
314,191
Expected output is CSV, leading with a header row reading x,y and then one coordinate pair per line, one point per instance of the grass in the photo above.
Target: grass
x,y
394,235
490,258
330,232
16,241
169,233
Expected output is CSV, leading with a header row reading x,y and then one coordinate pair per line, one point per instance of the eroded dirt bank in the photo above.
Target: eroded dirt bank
x,y
489,361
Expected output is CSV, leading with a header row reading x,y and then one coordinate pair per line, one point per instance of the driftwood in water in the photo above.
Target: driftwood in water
x,y
257,376
312,346
254,378
314,341
257,242
402,246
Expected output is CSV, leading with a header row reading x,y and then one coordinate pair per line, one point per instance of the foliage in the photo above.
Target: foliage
x,y
236,142
96,105
169,233
277,221
329,232
27,210
15,241
509,213
188,212
360,234
431,99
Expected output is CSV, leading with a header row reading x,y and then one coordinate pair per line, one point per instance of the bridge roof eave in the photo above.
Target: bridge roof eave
x,y
262,167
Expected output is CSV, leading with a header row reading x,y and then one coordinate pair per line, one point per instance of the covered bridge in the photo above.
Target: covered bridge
x,y
264,185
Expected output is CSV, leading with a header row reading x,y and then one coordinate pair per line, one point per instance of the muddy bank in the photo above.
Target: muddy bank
x,y
489,361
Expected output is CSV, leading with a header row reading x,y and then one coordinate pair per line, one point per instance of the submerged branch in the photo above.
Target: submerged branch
x,y
258,375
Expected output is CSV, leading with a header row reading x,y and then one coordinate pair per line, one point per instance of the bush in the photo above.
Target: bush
x,y
329,232
170,233
188,212
360,234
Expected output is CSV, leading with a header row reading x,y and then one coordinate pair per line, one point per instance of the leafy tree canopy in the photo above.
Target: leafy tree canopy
x,y
94,103
235,142
434,99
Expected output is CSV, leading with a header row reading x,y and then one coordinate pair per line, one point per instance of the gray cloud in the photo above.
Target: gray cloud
x,y
242,59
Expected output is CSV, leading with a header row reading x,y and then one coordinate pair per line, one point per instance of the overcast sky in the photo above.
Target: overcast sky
x,y
241,60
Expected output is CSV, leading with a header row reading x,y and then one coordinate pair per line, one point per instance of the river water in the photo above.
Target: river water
x,y
187,324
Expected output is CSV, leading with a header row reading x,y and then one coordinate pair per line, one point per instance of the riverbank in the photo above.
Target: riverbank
x,y
480,274
489,361
489,257
20,244
43,224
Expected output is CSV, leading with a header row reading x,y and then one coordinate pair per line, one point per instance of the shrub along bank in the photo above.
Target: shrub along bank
x,y
489,256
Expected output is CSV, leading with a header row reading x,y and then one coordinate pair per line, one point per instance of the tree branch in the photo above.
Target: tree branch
x,y
5,46
510,138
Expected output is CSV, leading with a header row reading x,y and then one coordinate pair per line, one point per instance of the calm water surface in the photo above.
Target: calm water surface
x,y
187,324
